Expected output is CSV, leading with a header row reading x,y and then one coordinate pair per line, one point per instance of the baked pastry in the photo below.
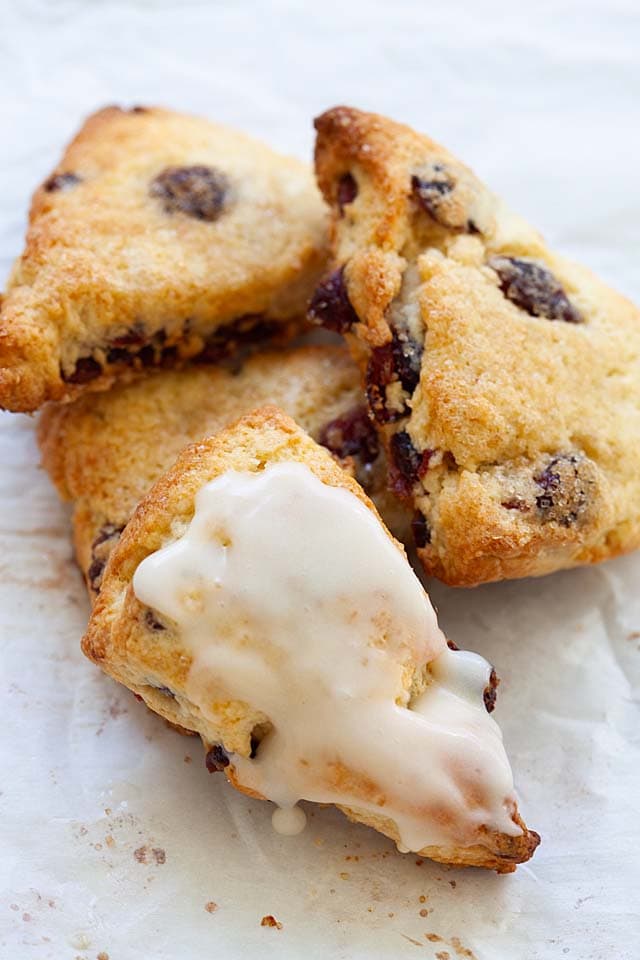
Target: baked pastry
x,y
504,380
104,451
158,237
256,598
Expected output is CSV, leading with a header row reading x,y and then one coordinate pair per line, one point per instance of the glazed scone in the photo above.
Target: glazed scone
x,y
157,238
504,380
104,451
256,598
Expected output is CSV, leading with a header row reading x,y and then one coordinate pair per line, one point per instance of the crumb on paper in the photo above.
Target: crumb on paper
x,y
211,906
461,950
433,938
26,917
443,955
80,941
142,854
344,875
110,842
102,956
452,884
422,898
424,913
411,940
187,759
419,863
270,921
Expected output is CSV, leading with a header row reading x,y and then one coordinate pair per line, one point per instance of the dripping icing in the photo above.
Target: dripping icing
x,y
291,597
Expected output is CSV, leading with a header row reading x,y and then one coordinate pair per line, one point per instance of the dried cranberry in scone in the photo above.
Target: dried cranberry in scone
x,y
198,191
330,306
532,287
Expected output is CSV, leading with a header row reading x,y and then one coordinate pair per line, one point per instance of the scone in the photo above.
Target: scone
x,y
504,380
256,598
158,237
104,451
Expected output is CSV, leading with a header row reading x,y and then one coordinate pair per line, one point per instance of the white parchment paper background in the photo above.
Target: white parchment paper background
x,y
542,99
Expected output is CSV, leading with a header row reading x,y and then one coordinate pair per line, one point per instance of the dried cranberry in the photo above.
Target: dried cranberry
x,y
152,621
147,355
100,550
532,287
120,355
380,373
347,191
107,532
351,435
198,191
515,504
565,483
404,463
242,332
407,359
94,573
491,691
330,305
135,336
217,758
400,359
85,370
61,181
169,356
429,193
420,530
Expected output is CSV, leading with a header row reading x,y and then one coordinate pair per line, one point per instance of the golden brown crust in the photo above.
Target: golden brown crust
x,y
155,664
505,380
127,266
104,451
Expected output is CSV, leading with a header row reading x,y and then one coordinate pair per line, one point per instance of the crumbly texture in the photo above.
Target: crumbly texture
x,y
128,642
504,380
104,451
157,238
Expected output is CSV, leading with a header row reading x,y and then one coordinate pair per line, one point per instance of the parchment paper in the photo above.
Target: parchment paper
x,y
114,837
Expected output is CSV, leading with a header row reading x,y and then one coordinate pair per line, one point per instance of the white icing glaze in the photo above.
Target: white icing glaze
x,y
289,821
291,597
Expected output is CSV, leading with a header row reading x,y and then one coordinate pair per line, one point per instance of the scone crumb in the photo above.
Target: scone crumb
x,y
210,906
270,921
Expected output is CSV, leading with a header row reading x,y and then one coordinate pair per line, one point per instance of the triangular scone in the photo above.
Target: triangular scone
x,y
504,380
158,237
104,451
256,598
